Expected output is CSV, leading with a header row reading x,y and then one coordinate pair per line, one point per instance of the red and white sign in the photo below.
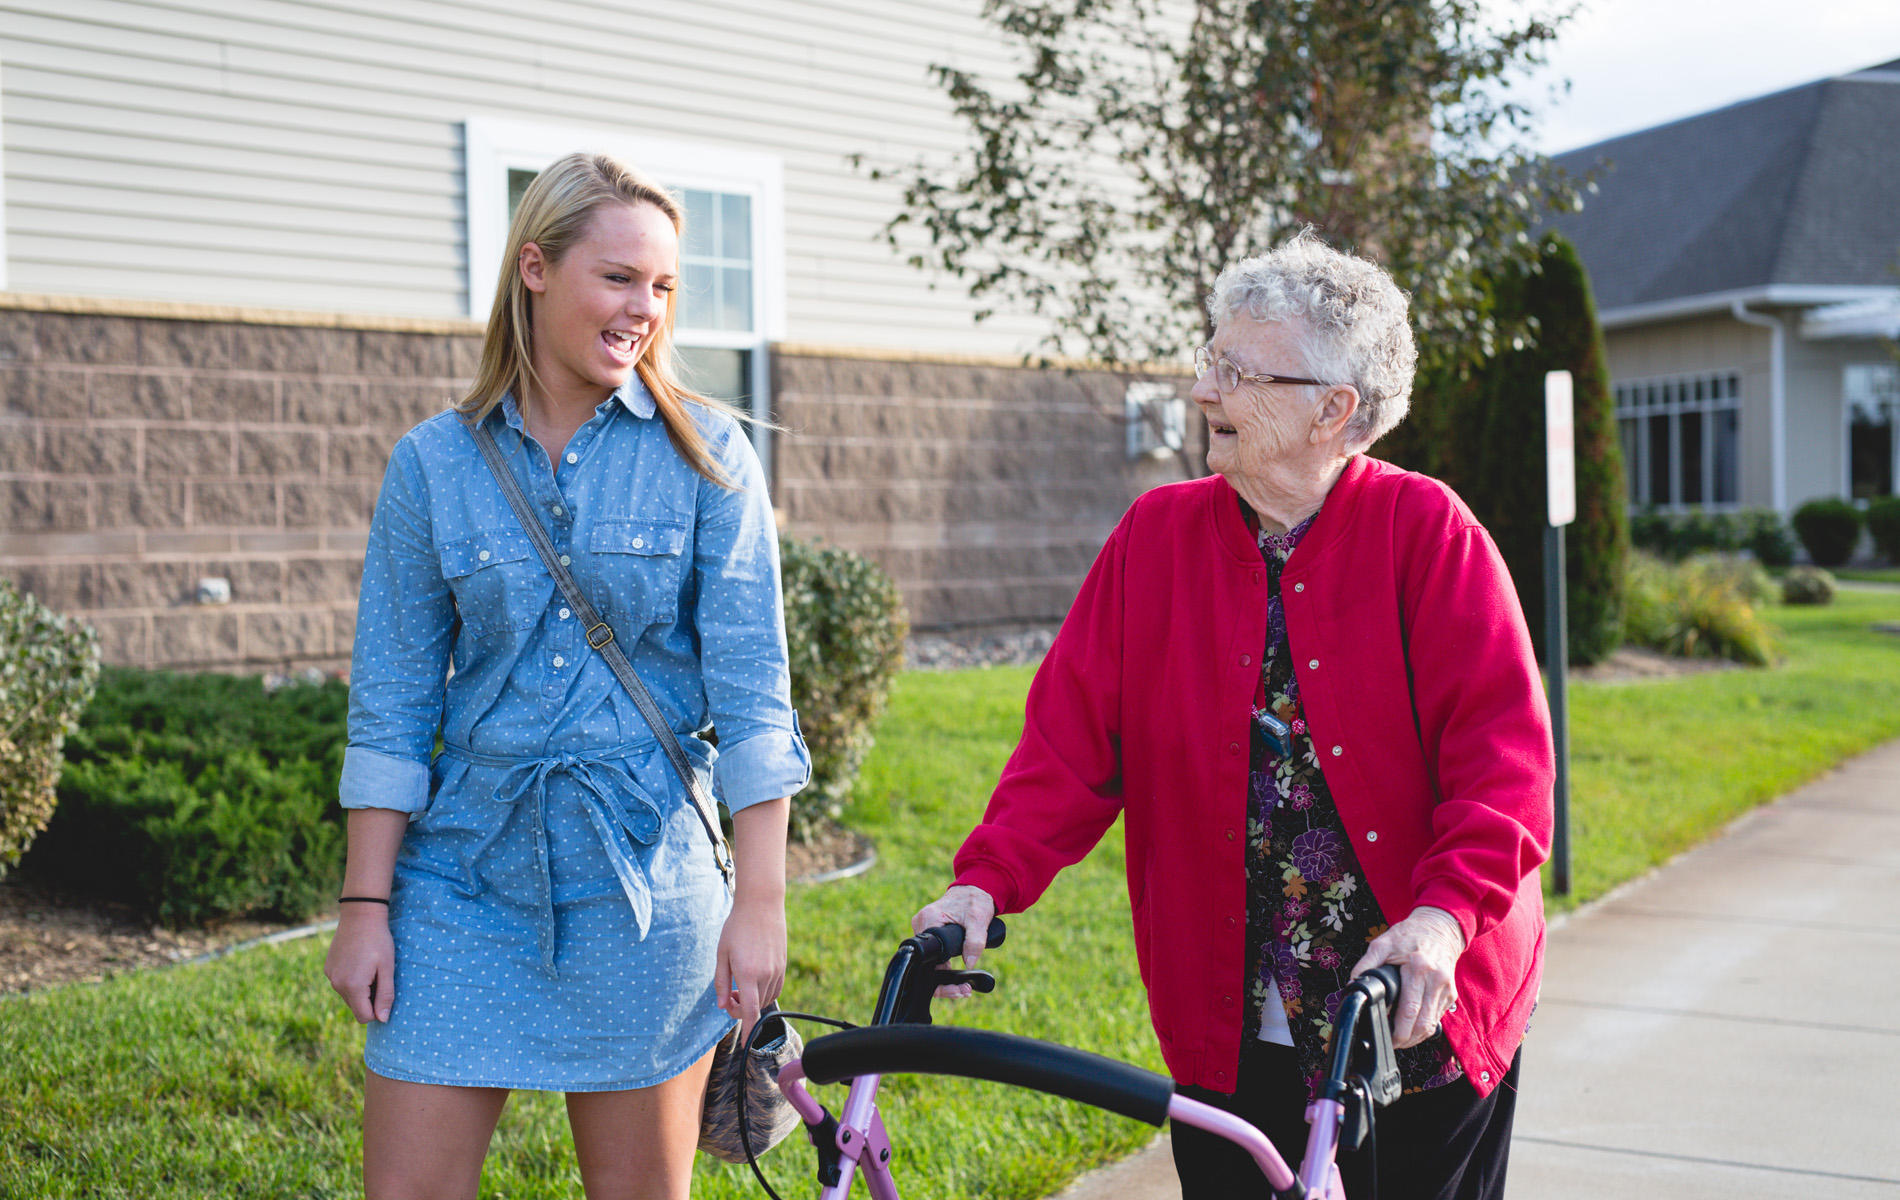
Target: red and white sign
x,y
1560,447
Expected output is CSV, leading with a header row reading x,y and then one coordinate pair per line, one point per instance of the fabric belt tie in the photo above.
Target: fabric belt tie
x,y
601,778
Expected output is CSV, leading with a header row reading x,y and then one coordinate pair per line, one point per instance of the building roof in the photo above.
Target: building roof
x,y
1799,189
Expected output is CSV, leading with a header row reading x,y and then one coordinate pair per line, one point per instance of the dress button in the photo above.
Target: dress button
x,y
483,556
566,561
565,614
1312,664
1338,750
1299,587
559,661
573,458
639,543
559,511
1372,835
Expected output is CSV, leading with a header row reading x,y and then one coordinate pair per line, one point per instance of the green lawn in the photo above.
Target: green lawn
x,y
1869,574
241,1077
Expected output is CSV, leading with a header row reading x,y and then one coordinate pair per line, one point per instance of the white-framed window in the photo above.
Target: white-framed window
x,y
732,261
1870,394
1157,419
1682,440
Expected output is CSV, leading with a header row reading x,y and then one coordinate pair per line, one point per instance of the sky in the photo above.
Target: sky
x,y
1637,63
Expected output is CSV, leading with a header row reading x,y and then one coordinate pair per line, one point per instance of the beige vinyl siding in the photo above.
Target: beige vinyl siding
x,y
310,154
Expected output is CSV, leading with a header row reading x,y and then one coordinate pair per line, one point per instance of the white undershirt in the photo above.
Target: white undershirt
x,y
1273,1026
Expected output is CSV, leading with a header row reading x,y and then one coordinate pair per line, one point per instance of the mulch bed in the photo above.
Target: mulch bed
x,y
48,938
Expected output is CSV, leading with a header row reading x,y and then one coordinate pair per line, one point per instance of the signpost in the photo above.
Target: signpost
x,y
1560,451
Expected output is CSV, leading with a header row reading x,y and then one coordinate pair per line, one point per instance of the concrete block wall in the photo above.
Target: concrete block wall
x,y
140,454
985,490
146,447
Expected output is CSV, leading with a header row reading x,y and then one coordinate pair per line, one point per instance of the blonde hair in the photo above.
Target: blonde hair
x,y
554,214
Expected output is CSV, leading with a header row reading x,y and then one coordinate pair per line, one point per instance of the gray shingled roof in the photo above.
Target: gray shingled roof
x,y
1801,187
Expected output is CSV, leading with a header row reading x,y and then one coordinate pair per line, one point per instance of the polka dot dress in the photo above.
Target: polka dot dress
x,y
556,908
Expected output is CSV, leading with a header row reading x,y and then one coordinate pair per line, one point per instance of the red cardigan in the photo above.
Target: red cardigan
x,y
1442,774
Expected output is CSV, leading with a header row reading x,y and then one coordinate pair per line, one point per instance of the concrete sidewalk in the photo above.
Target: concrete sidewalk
x,y
1728,1026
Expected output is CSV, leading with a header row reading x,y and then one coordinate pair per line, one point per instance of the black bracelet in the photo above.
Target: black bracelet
x,y
382,900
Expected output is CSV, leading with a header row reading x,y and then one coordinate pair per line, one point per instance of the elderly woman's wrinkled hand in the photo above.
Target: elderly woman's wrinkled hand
x,y
970,907
1425,947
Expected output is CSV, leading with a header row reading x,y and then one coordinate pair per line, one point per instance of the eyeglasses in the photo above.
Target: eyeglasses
x,y
1229,377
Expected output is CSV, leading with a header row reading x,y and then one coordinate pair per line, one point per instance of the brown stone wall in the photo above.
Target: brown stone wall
x,y
986,491
139,455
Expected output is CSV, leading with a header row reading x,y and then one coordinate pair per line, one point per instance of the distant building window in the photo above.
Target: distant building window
x,y
1157,419
1872,395
732,281
1681,440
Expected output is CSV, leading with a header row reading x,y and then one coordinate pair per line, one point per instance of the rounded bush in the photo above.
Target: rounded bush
x,y
1807,585
48,667
844,629
1828,529
1883,521
1765,536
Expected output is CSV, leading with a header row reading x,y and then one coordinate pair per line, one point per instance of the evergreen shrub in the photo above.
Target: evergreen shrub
x,y
48,668
1828,529
1883,521
1807,585
844,627
198,797
1482,432
1766,537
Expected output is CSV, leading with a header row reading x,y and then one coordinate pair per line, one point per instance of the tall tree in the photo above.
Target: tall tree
x,y
1144,145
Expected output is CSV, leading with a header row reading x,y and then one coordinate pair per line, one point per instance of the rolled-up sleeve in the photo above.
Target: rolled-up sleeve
x,y
405,627
741,622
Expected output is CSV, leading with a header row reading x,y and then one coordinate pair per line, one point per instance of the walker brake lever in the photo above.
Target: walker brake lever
x,y
981,981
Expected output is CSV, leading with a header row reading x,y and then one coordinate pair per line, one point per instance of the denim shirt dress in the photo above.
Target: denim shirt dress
x,y
556,908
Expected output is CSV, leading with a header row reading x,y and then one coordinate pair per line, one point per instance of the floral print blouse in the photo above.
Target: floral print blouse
x,y
1309,914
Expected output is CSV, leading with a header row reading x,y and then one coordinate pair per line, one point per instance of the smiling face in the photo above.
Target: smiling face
x,y
595,312
1258,427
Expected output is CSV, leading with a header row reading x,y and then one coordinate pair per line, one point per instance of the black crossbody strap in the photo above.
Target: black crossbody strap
x,y
600,636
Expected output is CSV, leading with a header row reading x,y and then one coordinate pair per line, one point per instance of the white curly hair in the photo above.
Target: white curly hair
x,y
1348,316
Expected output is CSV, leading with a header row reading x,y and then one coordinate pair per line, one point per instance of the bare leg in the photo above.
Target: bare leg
x,y
639,1145
424,1141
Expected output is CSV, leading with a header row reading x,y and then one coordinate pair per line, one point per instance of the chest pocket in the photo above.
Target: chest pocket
x,y
500,585
637,571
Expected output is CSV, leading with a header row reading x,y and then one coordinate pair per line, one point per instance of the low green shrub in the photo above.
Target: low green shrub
x,y
1807,585
193,831
844,626
1707,606
1675,536
1766,536
200,797
1883,521
48,668
1828,529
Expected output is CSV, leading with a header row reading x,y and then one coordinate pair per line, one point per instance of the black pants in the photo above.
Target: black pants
x,y
1444,1144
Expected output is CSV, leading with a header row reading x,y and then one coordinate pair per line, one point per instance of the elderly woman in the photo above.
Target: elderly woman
x,y
1307,683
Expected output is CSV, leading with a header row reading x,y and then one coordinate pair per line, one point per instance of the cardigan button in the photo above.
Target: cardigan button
x,y
1338,750
1372,835
1312,664
1230,922
1246,660
1258,576
1233,747
1227,1000
1230,835
1484,1076
1299,587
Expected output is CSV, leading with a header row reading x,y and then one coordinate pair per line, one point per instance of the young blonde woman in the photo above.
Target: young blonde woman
x,y
538,905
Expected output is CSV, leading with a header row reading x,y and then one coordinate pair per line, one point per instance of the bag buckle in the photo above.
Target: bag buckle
x,y
606,635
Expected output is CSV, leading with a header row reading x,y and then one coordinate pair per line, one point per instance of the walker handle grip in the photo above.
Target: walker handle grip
x,y
941,943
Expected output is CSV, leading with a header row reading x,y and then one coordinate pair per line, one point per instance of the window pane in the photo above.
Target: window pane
x,y
735,298
1628,428
722,374
1656,459
1691,473
1728,447
1870,449
696,297
735,226
518,181
700,230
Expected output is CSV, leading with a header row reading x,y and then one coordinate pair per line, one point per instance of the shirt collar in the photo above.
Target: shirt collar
x,y
632,395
